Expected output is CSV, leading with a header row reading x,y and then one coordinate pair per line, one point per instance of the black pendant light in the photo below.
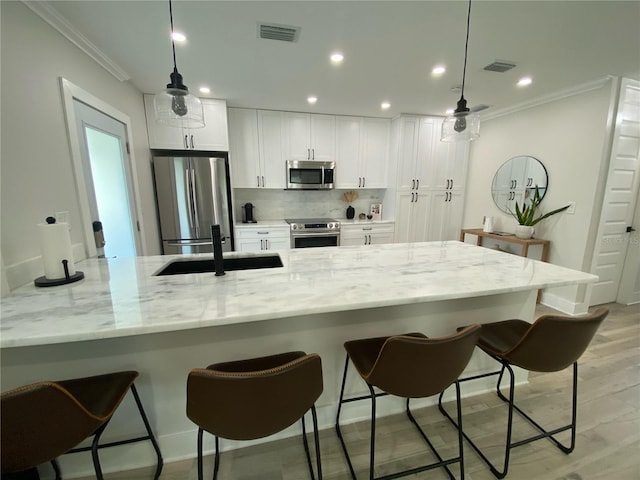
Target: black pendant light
x,y
463,123
175,106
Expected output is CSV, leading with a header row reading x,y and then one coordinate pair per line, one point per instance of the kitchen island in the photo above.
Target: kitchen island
x,y
121,317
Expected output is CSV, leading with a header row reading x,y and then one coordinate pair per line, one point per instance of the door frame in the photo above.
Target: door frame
x,y
69,93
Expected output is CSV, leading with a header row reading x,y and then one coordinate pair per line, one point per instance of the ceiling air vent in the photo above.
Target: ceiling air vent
x,y
284,33
500,66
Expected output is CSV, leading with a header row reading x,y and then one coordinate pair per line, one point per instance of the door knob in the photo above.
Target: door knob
x,y
630,229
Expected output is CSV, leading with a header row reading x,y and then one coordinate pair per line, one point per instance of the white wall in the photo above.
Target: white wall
x,y
569,136
36,172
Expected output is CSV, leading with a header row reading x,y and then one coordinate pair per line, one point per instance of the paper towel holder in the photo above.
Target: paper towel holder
x,y
54,282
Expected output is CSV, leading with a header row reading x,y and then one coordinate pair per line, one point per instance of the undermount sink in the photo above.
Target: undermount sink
x,y
181,267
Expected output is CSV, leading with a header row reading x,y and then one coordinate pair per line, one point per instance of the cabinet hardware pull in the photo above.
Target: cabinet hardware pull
x,y
364,180
262,233
367,228
192,145
413,184
186,142
447,184
261,244
452,183
369,239
416,197
308,154
365,239
266,243
417,184
313,154
359,182
263,180
258,180
412,197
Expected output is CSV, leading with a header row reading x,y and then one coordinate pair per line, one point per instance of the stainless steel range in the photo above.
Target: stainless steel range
x,y
314,232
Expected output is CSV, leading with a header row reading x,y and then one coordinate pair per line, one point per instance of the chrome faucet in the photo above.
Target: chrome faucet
x,y
218,260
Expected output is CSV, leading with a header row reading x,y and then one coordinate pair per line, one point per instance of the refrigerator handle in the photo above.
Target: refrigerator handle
x,y
194,198
187,176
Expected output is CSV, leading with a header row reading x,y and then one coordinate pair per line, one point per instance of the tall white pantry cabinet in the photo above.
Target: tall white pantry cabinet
x,y
430,182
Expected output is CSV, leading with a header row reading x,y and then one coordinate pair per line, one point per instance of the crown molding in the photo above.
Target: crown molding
x,y
552,97
50,15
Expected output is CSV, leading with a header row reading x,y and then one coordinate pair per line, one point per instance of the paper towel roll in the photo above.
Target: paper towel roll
x,y
55,244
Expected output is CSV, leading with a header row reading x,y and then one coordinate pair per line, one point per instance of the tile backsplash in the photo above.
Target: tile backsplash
x,y
279,204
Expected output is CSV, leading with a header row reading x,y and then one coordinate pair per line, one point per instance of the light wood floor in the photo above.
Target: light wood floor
x,y
607,445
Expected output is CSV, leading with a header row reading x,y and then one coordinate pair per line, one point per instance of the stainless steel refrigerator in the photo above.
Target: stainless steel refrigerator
x,y
193,192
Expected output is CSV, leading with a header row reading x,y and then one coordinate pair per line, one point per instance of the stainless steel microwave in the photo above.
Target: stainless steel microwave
x,y
310,175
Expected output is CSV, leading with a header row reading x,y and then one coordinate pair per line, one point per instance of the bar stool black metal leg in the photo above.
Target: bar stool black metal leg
x,y
150,434
316,437
338,431
373,433
216,461
56,469
200,474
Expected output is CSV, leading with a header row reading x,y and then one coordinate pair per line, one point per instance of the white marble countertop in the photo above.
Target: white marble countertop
x,y
263,224
122,297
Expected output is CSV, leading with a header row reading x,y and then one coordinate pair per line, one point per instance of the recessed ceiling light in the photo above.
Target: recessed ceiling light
x,y
524,81
337,57
312,99
385,105
205,90
438,70
178,36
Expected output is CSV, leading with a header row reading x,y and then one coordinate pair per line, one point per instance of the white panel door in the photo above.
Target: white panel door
x,y
620,201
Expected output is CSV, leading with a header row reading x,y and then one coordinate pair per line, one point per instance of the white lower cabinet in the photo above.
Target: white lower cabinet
x,y
367,234
255,239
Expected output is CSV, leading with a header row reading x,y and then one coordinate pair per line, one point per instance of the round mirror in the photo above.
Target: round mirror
x,y
516,181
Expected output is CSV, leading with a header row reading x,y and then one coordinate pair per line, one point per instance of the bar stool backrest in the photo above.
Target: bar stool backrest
x,y
254,399
414,367
40,422
554,342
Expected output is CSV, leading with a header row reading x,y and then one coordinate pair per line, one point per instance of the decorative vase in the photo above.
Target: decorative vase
x,y
524,231
351,212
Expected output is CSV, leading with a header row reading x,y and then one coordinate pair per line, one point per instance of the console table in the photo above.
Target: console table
x,y
525,243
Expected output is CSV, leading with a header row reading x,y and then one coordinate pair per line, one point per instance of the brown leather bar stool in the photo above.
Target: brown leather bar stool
x,y
551,344
408,366
255,398
44,420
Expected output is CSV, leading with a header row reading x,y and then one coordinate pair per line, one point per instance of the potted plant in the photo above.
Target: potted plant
x,y
529,215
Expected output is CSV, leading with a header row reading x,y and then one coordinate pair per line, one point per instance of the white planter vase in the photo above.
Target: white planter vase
x,y
524,231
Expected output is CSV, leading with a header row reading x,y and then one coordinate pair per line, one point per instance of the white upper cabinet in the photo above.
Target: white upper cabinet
x,y
448,163
362,152
243,148
213,137
256,148
348,161
309,136
272,160
415,149
376,133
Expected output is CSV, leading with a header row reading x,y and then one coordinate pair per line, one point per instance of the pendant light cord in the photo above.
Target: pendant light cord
x,y
173,44
466,46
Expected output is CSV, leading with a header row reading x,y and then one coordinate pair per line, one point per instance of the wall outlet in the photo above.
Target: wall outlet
x,y
572,208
